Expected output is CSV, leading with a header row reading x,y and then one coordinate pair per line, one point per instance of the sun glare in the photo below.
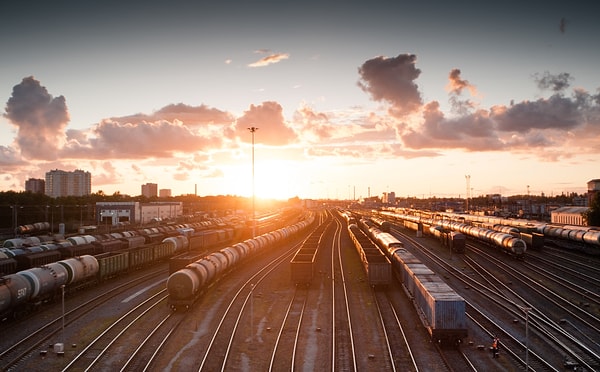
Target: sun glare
x,y
275,179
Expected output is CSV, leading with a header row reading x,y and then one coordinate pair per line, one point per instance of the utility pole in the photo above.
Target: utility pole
x,y
468,178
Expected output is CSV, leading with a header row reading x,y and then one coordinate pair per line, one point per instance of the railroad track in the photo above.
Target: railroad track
x,y
582,350
38,340
505,300
342,343
239,311
285,350
398,347
97,354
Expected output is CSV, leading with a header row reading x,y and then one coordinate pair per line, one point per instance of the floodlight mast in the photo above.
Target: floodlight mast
x,y
253,130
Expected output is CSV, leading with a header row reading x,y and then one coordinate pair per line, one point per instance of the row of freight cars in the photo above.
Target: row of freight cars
x,y
302,264
453,240
504,241
587,237
23,291
185,286
24,253
442,310
377,265
93,259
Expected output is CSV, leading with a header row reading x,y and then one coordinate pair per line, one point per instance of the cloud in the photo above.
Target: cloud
x,y
556,112
270,59
190,115
9,157
114,140
551,123
455,87
39,117
555,83
392,80
268,118
314,125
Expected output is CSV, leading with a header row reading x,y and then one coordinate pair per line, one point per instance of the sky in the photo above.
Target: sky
x,y
351,99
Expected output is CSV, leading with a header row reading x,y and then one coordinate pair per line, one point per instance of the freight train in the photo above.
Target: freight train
x,y
186,286
455,241
376,264
23,291
501,240
442,310
586,238
23,253
88,260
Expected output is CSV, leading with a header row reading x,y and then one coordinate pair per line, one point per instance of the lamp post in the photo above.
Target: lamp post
x,y
526,310
252,130
15,216
62,287
251,312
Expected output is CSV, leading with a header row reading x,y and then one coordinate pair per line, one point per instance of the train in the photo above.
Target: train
x,y
453,240
376,264
501,240
26,252
585,238
88,260
25,290
442,310
186,286
302,264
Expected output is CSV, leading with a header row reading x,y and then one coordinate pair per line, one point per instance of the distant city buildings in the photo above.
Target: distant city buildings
x,y
35,185
150,190
62,183
389,198
164,193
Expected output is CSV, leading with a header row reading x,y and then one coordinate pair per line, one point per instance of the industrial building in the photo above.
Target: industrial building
x,y
136,213
569,216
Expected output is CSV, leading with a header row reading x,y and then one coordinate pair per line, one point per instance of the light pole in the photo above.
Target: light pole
x,y
526,310
252,130
251,312
63,313
15,209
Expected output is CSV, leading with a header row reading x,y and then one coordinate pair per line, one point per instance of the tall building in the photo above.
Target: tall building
x,y
164,193
35,185
149,190
63,183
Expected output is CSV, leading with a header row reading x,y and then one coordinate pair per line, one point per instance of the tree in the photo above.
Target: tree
x,y
593,214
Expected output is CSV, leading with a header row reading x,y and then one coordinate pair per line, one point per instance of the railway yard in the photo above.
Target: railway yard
x,y
332,290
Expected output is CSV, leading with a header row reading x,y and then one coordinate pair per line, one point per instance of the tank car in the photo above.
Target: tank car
x,y
15,291
80,269
45,281
185,285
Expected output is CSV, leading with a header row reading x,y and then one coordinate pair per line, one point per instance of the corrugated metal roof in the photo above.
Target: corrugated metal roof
x,y
571,210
